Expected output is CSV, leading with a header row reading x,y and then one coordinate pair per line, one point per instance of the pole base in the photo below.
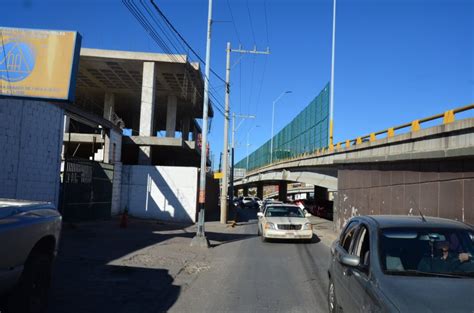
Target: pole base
x,y
200,241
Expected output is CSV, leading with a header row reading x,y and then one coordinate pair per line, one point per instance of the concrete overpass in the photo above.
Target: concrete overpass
x,y
429,170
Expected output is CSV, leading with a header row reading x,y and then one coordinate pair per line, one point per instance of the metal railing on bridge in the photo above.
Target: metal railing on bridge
x,y
307,132
446,118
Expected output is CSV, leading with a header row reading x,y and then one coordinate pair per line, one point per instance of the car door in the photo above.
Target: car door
x,y
358,277
260,222
343,292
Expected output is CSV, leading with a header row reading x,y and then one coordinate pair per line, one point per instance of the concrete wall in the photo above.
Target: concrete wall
x,y
442,188
160,192
31,135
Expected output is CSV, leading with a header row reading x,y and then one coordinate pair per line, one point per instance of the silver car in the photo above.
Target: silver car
x,y
29,235
284,221
402,264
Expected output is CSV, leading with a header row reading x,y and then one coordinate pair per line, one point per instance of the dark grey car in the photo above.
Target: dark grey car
x,y
402,264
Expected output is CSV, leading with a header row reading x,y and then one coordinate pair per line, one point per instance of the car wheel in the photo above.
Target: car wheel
x,y
332,300
31,294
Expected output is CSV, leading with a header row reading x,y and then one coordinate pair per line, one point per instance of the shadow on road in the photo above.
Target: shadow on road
x,y
107,288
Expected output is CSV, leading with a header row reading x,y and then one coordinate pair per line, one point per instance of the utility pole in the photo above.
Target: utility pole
x,y
200,238
234,129
226,139
224,192
331,90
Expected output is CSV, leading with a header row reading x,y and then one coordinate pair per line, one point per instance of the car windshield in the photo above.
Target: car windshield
x,y
427,251
283,211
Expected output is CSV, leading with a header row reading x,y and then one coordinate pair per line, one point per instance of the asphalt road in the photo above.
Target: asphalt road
x,y
248,275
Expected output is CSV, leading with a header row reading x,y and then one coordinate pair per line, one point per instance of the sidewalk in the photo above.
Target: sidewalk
x,y
142,268
324,229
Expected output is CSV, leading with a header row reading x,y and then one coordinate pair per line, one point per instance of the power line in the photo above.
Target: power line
x,y
148,27
233,21
261,84
266,20
161,26
141,18
251,84
251,23
182,38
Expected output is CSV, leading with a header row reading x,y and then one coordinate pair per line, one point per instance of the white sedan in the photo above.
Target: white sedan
x,y
284,221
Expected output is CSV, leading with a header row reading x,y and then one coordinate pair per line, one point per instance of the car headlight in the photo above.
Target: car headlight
x,y
269,225
307,226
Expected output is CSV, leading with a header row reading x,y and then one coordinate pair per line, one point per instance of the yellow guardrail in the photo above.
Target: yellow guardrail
x,y
448,117
415,125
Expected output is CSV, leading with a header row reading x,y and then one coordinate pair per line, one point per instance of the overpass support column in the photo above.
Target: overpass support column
x,y
147,109
282,191
260,191
320,193
246,191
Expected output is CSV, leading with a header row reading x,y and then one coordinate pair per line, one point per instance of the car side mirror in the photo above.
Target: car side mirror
x,y
307,214
349,260
259,214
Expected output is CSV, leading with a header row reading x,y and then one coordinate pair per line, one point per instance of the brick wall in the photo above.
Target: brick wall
x,y
31,134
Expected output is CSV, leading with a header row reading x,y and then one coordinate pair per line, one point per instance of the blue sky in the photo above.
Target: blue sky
x,y
395,60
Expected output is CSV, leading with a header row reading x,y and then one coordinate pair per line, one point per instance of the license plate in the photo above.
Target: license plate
x,y
290,233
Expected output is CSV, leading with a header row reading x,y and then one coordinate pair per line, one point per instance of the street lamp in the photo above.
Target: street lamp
x,y
248,132
273,122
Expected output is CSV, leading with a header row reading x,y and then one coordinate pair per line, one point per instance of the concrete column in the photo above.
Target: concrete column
x,y
320,193
66,121
116,189
194,130
260,191
147,109
246,191
109,105
282,191
185,129
171,116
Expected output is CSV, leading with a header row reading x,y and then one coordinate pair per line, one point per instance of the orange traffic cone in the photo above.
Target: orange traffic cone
x,y
124,219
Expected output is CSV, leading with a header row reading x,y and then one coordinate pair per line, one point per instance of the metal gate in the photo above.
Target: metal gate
x,y
86,190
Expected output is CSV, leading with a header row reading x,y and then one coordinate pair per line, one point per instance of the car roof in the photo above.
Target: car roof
x,y
282,205
19,203
389,221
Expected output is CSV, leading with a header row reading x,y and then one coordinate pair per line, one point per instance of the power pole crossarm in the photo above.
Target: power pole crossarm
x,y
254,51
